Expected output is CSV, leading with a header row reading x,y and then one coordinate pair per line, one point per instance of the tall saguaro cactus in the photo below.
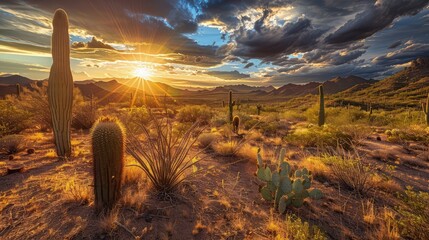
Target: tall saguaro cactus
x,y
425,108
18,90
231,105
322,106
60,84
108,144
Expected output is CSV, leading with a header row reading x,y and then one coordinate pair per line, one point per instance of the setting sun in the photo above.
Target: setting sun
x,y
142,72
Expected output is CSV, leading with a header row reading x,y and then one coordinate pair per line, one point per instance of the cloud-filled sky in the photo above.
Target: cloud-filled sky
x,y
202,43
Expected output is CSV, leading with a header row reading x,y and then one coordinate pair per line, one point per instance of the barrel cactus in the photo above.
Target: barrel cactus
x,y
282,188
425,108
60,84
108,144
236,124
322,106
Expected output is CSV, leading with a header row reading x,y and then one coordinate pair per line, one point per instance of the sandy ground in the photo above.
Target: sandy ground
x,y
52,199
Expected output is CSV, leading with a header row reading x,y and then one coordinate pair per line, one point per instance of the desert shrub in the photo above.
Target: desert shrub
x,y
35,101
293,115
414,133
326,136
414,215
13,119
319,170
357,132
227,148
85,115
165,158
12,144
350,171
297,229
251,123
205,140
135,117
248,152
194,113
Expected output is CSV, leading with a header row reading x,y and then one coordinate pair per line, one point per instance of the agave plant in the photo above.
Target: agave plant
x,y
164,154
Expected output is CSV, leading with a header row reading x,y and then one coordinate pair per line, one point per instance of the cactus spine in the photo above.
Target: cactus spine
x,y
18,90
231,105
108,144
60,84
425,108
322,106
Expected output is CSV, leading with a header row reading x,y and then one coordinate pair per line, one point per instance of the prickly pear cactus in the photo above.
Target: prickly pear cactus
x,y
282,187
60,84
108,144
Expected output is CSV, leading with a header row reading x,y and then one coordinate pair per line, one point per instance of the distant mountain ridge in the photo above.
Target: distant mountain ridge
x,y
332,86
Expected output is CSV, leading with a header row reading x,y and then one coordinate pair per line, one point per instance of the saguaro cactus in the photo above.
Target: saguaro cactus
x,y
60,84
322,106
425,108
108,144
231,105
18,90
258,108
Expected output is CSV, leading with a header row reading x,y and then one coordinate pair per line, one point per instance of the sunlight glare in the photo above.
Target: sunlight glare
x,y
142,72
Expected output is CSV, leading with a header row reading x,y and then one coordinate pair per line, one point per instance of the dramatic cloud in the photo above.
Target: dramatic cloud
x,y
227,75
374,19
94,43
256,41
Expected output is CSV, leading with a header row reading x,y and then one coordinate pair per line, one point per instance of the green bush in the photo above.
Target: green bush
x,y
13,119
194,113
326,136
135,117
414,216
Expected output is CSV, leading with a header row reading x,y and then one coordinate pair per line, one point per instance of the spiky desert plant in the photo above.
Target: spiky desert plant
x,y
164,154
18,90
322,106
60,84
231,105
108,145
425,108
236,124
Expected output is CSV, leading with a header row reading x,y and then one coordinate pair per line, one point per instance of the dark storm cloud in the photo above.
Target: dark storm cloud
x,y
375,18
395,44
227,75
406,54
248,65
270,41
94,43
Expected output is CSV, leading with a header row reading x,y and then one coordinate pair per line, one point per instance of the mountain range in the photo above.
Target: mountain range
x,y
410,81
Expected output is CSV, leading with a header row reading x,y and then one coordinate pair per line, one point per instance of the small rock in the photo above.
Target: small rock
x,y
30,150
11,157
378,138
326,184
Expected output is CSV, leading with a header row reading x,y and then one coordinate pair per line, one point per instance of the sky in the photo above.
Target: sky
x,y
206,43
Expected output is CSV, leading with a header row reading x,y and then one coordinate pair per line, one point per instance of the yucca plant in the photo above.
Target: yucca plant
x,y
164,155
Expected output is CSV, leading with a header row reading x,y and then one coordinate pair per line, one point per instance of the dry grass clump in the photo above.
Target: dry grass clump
x,y
321,137
293,227
387,226
109,221
205,140
368,212
349,169
319,170
76,191
12,144
248,152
